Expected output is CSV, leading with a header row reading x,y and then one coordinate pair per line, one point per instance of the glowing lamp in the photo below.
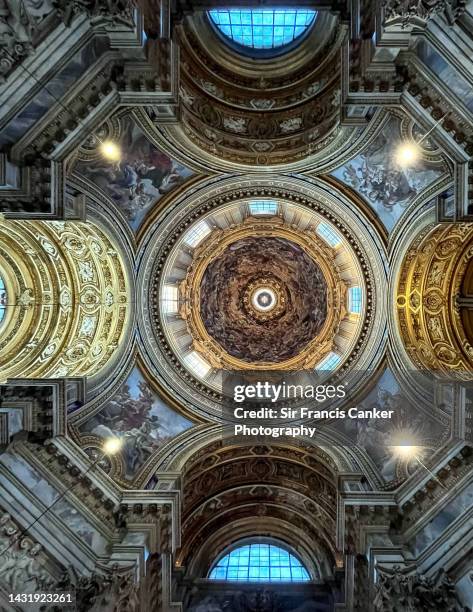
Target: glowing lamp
x,y
407,153
406,451
112,446
110,150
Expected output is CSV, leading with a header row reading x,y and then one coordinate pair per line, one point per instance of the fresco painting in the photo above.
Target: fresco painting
x,y
376,175
136,414
377,436
141,177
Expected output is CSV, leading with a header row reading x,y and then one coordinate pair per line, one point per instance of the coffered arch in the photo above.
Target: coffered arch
x,y
238,492
434,300
68,300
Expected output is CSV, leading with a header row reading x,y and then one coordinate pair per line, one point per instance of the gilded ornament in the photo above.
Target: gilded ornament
x,y
438,288
27,348
214,245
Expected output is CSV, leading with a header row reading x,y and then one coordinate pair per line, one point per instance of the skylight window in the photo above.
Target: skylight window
x,y
262,28
263,207
197,233
170,299
259,563
354,300
196,364
330,236
329,363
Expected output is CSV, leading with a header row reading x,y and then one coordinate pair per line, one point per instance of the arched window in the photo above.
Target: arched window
x,y
259,562
262,28
329,363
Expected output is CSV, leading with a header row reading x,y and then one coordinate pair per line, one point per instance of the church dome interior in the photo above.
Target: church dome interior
x,y
236,306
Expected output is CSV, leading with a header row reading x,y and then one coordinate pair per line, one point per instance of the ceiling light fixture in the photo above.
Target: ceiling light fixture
x,y
405,445
405,451
110,150
406,448
410,151
112,445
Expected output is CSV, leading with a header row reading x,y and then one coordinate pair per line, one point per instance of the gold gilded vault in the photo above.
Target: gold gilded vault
x,y
68,299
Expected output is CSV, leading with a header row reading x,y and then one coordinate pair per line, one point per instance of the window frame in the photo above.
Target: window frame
x,y
328,234
255,52
196,234
261,541
355,300
332,360
263,208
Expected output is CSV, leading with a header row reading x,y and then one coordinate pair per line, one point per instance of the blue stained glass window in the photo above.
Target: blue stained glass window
x,y
3,299
259,563
262,28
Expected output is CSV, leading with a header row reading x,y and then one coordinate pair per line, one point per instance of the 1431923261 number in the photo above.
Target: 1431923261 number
x,y
64,598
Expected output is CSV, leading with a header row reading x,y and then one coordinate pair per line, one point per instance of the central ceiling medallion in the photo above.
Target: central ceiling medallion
x,y
264,299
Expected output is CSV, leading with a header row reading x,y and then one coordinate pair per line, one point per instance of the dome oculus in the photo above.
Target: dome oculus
x,y
264,298
262,29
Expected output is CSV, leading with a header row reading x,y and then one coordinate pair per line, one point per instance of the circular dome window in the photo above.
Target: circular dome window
x,y
262,30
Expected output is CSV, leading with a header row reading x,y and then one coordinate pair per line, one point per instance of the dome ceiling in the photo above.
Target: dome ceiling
x,y
262,283
285,318
433,300
256,217
254,274
70,293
